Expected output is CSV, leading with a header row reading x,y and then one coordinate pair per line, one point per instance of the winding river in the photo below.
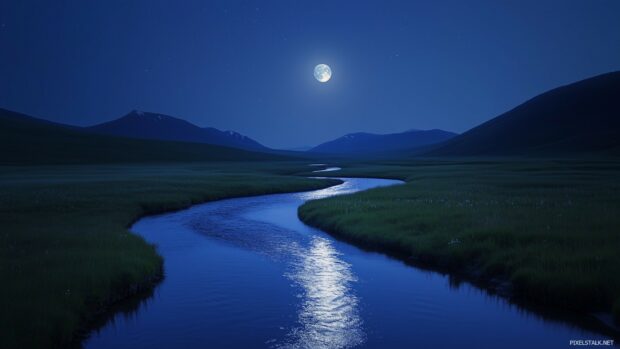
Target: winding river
x,y
246,273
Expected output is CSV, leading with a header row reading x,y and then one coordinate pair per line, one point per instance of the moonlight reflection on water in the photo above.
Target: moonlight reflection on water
x,y
246,273
328,317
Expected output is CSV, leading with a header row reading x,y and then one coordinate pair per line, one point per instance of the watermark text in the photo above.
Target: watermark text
x,y
591,342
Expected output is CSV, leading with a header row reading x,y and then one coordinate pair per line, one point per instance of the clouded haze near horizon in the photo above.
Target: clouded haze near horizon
x,y
248,66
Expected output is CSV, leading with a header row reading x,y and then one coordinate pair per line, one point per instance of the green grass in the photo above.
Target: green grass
x,y
551,227
65,251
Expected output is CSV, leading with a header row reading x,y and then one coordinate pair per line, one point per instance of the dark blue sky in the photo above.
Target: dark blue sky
x,y
247,66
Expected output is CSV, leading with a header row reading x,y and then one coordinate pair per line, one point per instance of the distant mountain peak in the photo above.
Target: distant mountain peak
x,y
150,116
236,134
358,134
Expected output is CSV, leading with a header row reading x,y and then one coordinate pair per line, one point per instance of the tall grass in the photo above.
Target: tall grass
x,y
551,227
65,251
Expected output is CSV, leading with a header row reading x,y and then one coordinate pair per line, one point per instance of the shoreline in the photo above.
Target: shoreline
x,y
494,285
134,294
128,300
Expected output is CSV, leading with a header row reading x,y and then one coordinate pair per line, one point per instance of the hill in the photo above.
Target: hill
x,y
144,125
583,117
25,140
368,143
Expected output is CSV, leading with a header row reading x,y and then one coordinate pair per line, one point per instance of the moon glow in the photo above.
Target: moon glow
x,y
322,72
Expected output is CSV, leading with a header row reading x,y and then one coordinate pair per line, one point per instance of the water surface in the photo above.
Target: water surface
x,y
329,169
246,273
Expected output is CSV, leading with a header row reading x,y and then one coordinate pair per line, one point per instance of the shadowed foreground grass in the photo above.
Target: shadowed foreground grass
x,y
65,251
551,227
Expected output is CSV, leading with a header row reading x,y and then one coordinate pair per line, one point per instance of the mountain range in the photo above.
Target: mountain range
x,y
368,143
581,118
145,125
25,140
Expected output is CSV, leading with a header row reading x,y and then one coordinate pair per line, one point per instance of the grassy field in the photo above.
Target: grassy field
x,y
552,228
65,252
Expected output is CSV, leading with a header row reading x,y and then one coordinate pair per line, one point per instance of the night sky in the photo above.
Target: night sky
x,y
247,66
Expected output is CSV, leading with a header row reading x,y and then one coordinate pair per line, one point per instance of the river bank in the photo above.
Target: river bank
x,y
249,266
67,254
539,232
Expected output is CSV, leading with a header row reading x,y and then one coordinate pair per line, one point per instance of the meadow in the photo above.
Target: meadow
x,y
550,229
65,250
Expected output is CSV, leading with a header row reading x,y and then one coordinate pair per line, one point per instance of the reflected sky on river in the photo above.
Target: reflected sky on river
x,y
246,273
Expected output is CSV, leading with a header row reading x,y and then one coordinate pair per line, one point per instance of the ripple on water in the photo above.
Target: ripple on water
x,y
328,316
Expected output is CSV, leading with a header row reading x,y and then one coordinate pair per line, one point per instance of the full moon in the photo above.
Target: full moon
x,y
322,72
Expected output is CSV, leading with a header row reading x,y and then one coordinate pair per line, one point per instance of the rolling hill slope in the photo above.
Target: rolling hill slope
x,y
583,117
